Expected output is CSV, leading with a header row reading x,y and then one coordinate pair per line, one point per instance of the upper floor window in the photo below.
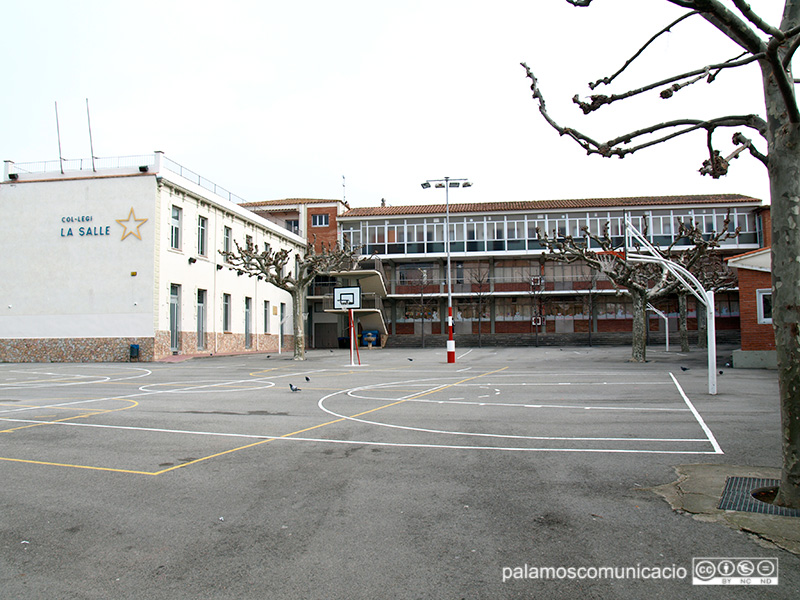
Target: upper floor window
x,y
175,228
227,236
202,236
319,220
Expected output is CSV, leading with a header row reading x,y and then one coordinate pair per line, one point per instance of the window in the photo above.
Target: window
x,y
764,306
266,316
226,312
202,236
293,225
227,236
319,220
175,229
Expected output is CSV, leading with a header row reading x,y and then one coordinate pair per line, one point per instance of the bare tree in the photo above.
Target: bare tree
x,y
479,284
714,275
275,268
772,48
644,282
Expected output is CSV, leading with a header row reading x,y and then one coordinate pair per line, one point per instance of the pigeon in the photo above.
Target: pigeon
x,y
684,368
410,359
307,379
267,355
720,372
294,388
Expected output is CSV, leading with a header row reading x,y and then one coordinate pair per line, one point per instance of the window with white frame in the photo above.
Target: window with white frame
x,y
266,316
226,312
319,220
764,306
227,236
202,236
175,228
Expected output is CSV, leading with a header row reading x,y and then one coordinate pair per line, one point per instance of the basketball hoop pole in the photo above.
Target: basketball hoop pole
x,y
690,282
353,340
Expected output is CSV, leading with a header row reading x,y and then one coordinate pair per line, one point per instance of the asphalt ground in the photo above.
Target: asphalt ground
x,y
514,473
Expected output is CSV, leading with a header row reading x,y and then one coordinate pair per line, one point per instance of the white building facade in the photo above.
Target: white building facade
x,y
119,258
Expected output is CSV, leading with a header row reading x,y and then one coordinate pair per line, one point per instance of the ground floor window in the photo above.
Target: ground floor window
x,y
764,306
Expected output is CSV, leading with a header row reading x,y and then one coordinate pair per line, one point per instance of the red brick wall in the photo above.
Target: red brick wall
x,y
755,336
766,222
324,235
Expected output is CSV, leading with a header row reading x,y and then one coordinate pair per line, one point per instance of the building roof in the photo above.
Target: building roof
x,y
534,205
289,202
756,260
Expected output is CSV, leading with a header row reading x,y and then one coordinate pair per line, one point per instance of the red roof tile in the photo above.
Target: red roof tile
x,y
534,205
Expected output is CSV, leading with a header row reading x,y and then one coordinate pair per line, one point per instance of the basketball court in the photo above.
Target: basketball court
x,y
152,419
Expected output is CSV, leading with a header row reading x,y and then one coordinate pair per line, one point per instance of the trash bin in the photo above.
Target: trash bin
x,y
135,352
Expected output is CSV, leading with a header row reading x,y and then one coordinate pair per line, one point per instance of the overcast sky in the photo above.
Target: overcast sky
x,y
281,99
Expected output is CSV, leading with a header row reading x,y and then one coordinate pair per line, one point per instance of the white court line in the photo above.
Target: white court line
x,y
711,438
321,405
511,404
403,444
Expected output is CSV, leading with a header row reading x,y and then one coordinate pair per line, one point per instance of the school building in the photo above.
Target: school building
x,y
118,258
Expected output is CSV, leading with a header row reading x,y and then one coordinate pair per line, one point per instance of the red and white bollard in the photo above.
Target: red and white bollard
x,y
451,344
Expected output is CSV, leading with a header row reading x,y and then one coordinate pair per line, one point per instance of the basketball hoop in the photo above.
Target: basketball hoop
x,y
608,258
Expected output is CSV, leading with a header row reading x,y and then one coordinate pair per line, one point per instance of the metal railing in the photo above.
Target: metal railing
x,y
204,183
82,164
121,162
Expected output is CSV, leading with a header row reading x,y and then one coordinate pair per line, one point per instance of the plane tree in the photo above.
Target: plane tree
x,y
645,282
772,138
293,272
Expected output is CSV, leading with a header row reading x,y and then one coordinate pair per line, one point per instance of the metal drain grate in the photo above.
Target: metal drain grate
x,y
737,496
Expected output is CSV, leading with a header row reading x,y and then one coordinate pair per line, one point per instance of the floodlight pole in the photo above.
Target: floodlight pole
x,y
447,181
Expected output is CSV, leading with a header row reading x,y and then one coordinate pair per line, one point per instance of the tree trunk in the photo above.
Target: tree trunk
x,y
639,345
702,326
298,303
785,194
784,182
682,325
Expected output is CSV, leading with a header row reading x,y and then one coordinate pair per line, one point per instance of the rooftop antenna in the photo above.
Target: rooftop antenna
x,y
58,132
91,145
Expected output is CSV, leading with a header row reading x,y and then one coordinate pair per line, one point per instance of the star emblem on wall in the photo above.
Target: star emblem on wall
x,y
131,225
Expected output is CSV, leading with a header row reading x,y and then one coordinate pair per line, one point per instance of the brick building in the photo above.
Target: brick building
x,y
755,309
505,289
312,219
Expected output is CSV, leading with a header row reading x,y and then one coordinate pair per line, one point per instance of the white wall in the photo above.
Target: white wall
x,y
175,268
66,270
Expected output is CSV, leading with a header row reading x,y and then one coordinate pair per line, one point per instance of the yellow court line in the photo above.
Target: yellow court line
x,y
218,454
82,416
90,468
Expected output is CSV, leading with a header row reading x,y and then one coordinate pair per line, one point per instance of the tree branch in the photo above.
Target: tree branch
x,y
607,80
782,80
600,100
751,16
